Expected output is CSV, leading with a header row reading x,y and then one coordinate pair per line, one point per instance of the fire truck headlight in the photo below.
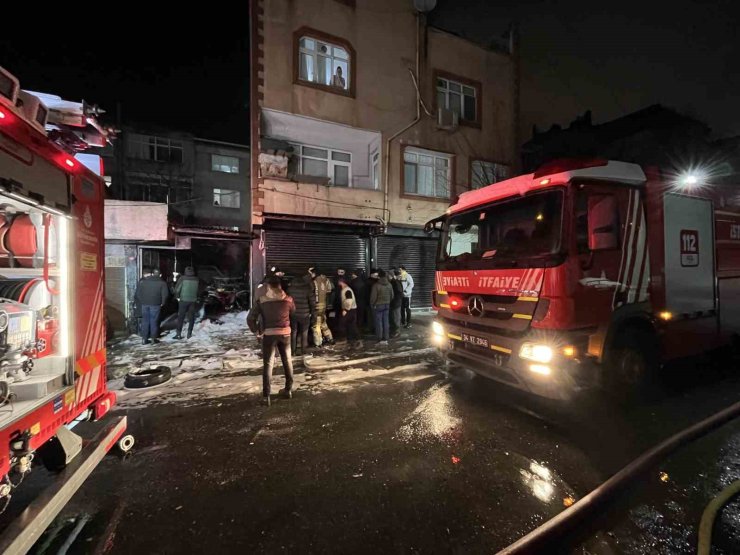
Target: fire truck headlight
x,y
536,352
438,329
540,369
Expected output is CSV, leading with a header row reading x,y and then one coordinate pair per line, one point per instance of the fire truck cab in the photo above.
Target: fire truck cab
x,y
586,273
52,328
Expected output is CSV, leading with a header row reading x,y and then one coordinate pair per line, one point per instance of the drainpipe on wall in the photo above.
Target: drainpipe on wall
x,y
387,172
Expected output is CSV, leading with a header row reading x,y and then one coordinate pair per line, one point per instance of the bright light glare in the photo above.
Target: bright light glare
x,y
65,323
665,315
437,328
536,352
540,369
691,180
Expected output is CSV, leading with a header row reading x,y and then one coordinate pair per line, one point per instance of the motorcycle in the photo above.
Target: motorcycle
x,y
226,295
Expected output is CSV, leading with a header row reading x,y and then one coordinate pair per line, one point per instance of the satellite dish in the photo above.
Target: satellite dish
x,y
424,6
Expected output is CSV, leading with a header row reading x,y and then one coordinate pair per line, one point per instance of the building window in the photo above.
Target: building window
x,y
426,173
225,164
376,170
158,149
458,96
323,162
226,198
323,61
484,173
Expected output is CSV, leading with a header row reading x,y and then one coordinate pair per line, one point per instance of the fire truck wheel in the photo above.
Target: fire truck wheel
x,y
634,360
126,443
147,377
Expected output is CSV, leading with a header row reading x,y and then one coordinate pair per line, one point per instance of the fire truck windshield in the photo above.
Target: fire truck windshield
x,y
525,231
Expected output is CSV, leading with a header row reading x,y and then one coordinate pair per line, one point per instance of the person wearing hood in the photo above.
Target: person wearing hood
x,y
380,299
372,279
301,289
269,320
186,293
261,289
151,295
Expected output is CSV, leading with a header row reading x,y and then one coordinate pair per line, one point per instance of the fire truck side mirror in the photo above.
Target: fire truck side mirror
x,y
603,219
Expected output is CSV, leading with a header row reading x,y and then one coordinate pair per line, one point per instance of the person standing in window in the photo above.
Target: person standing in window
x,y
337,80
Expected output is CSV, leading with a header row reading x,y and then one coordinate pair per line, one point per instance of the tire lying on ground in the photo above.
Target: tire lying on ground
x,y
147,377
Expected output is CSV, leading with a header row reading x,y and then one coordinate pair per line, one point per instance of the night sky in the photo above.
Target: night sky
x,y
191,73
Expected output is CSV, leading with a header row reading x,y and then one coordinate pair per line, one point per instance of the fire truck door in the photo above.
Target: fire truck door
x,y
602,234
689,254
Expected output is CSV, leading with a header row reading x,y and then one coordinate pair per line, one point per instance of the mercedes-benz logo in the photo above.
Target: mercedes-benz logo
x,y
475,306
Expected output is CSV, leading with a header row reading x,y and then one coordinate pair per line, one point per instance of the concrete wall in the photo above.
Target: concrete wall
x,y
127,220
206,180
382,33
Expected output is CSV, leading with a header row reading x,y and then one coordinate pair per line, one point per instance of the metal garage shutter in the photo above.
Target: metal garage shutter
x,y
418,255
294,251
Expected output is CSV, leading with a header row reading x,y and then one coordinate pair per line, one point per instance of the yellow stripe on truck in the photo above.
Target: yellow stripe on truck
x,y
442,305
528,299
522,316
453,336
502,349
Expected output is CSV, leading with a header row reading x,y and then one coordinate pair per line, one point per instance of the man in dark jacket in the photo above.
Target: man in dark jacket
x,y
397,302
359,287
186,293
304,297
380,299
269,320
151,295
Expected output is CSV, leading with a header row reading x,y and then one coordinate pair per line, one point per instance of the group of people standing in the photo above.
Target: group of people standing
x,y
152,293
285,313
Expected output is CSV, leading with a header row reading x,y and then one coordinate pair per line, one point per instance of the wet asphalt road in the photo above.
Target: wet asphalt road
x,y
418,459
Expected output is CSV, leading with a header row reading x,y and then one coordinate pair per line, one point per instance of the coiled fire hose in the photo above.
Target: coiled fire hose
x,y
545,536
710,513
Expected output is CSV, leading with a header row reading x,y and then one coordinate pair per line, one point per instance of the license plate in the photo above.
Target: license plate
x,y
473,340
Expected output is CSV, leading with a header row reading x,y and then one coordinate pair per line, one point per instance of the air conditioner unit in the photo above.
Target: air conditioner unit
x,y
9,88
447,119
33,110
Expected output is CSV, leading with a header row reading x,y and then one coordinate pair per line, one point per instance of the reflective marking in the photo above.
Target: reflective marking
x,y
502,349
444,305
528,299
441,292
452,336
522,316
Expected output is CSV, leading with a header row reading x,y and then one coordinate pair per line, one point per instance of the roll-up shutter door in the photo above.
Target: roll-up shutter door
x,y
295,251
418,255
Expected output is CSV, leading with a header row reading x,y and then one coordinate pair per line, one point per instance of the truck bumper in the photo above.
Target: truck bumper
x,y
500,361
22,533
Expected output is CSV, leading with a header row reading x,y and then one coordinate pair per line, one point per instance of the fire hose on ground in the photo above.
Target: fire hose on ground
x,y
544,536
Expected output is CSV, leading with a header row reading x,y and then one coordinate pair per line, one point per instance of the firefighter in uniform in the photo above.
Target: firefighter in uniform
x,y
322,288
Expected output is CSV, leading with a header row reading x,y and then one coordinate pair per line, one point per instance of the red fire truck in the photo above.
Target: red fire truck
x,y
52,328
586,273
